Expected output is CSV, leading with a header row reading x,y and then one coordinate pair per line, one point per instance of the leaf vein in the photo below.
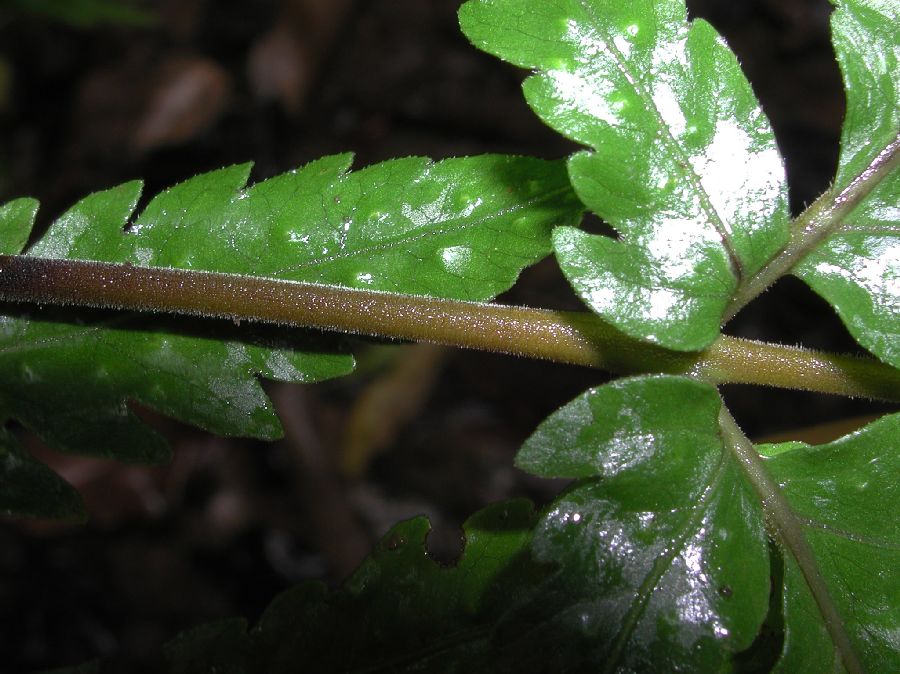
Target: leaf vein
x,y
446,227
682,160
663,563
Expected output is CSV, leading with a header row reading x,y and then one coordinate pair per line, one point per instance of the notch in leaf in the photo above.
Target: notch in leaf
x,y
683,163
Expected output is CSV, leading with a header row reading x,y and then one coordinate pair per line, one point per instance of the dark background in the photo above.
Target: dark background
x,y
280,82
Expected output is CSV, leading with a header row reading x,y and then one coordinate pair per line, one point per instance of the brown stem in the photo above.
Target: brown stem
x,y
578,338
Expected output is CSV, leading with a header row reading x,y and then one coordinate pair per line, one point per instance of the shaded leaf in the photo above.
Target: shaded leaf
x,y
92,667
857,269
845,493
662,558
685,164
28,487
400,611
88,13
221,647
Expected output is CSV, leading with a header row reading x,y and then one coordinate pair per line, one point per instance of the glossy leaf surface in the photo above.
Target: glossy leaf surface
x,y
662,558
845,493
460,228
685,165
858,268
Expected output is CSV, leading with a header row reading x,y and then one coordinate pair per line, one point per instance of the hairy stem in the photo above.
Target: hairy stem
x,y
783,522
578,338
824,217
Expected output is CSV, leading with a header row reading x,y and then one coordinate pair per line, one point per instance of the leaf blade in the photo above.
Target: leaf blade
x,y
419,615
25,483
662,556
839,490
16,218
857,268
666,109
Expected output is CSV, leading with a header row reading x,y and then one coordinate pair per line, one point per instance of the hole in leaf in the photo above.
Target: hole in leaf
x,y
444,544
395,542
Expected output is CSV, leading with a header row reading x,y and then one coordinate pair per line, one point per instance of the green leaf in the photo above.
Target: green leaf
x,y
15,224
857,269
661,554
87,13
460,228
685,165
662,512
845,493
28,487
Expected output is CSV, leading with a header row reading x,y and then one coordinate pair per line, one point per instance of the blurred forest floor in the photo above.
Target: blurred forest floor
x,y
419,430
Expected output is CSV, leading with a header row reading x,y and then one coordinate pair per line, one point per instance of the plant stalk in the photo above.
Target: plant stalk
x,y
790,534
577,338
824,217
